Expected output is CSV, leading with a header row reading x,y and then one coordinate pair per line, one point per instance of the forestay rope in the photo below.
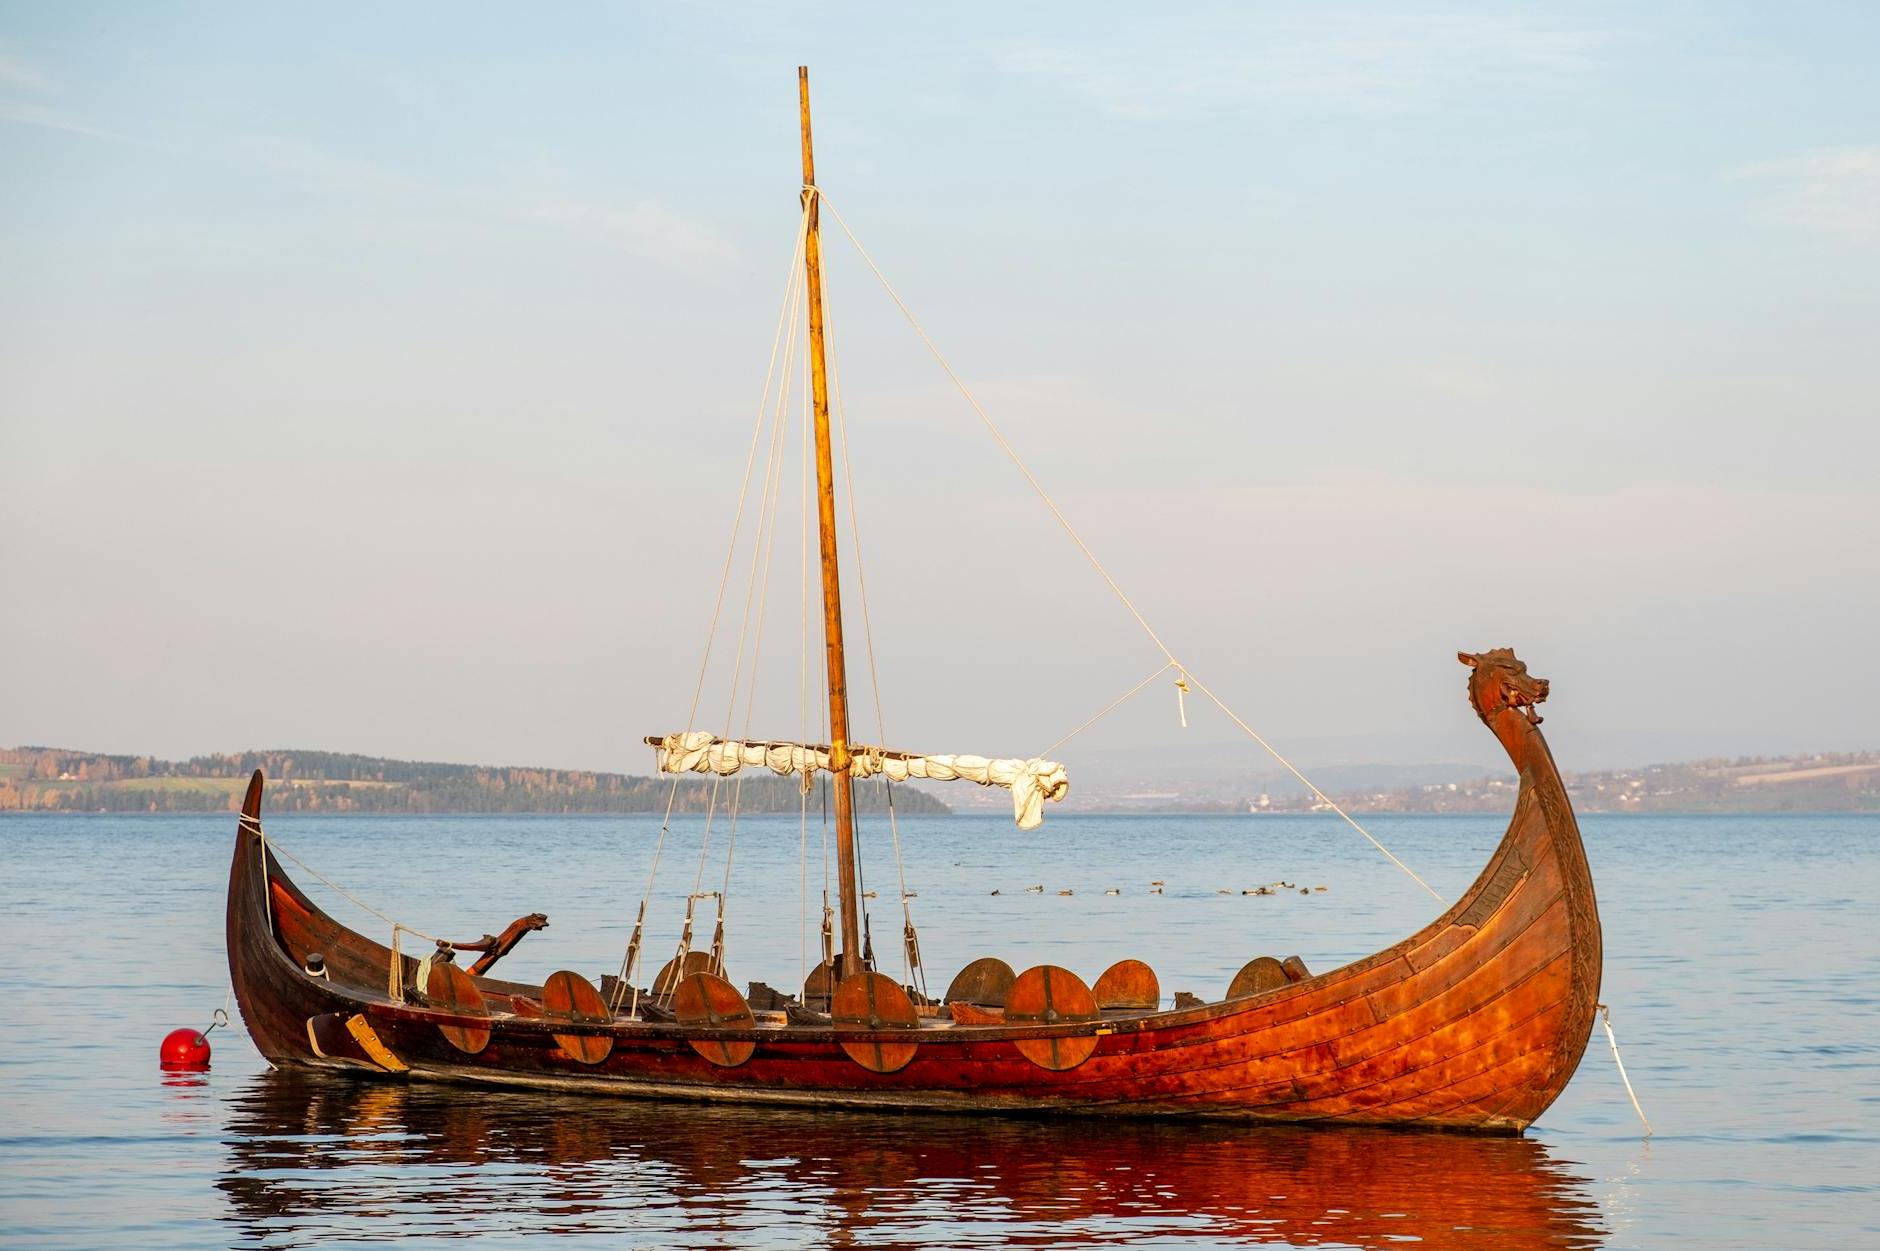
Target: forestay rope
x,y
1184,672
1184,676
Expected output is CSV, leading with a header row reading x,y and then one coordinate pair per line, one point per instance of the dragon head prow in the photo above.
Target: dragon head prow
x,y
1501,680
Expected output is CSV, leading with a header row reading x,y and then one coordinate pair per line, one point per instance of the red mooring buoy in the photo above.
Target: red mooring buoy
x,y
187,1050
184,1050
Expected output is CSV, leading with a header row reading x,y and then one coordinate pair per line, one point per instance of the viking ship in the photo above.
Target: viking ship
x,y
1476,1022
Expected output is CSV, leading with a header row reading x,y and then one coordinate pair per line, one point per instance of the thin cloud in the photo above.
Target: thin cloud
x,y
646,228
16,71
50,119
1231,63
316,168
1833,190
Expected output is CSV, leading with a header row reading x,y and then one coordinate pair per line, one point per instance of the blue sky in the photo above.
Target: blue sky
x,y
378,378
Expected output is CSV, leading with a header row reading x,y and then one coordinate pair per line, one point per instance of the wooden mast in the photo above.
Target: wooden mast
x,y
850,959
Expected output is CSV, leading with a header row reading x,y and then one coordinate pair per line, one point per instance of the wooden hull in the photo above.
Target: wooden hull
x,y
1475,1023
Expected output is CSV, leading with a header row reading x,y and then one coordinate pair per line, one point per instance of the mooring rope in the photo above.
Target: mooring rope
x,y
1605,1018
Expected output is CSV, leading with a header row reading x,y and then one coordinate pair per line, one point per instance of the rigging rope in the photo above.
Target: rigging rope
x,y
766,516
777,343
1114,704
1063,521
910,946
761,553
395,973
351,898
750,589
802,728
1323,797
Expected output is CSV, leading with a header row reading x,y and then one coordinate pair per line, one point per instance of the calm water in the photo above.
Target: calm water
x,y
1743,967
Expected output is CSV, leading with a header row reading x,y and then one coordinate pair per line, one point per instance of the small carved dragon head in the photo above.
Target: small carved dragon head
x,y
1501,681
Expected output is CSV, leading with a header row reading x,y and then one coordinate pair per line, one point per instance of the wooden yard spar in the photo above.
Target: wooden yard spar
x,y
1475,1022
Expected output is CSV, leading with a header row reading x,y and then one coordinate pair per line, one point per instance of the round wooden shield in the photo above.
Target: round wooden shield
x,y
1049,995
820,986
672,972
1257,976
985,982
568,996
1128,984
449,988
872,1001
705,999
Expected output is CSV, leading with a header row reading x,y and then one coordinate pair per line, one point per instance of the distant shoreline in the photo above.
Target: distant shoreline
x,y
47,779
43,779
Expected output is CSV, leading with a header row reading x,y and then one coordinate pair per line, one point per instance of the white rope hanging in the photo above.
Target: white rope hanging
x,y
1605,1018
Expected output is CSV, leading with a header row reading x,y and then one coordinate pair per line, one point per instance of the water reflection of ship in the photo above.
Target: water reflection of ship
x,y
314,1158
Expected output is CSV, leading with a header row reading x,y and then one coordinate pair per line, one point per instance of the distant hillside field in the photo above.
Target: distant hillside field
x,y
1838,782
51,779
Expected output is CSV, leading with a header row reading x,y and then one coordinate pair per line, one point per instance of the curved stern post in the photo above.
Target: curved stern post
x,y
255,960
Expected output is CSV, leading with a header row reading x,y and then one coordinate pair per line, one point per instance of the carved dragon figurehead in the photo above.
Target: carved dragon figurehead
x,y
1501,681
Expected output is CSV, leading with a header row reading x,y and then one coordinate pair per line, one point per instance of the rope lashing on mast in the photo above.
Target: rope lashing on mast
x,y
630,963
685,949
1116,588
718,937
828,932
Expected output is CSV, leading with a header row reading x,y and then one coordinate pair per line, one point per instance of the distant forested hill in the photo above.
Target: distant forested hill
x,y
52,779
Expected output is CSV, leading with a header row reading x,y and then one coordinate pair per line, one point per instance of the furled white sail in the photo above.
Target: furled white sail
x,y
1030,781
